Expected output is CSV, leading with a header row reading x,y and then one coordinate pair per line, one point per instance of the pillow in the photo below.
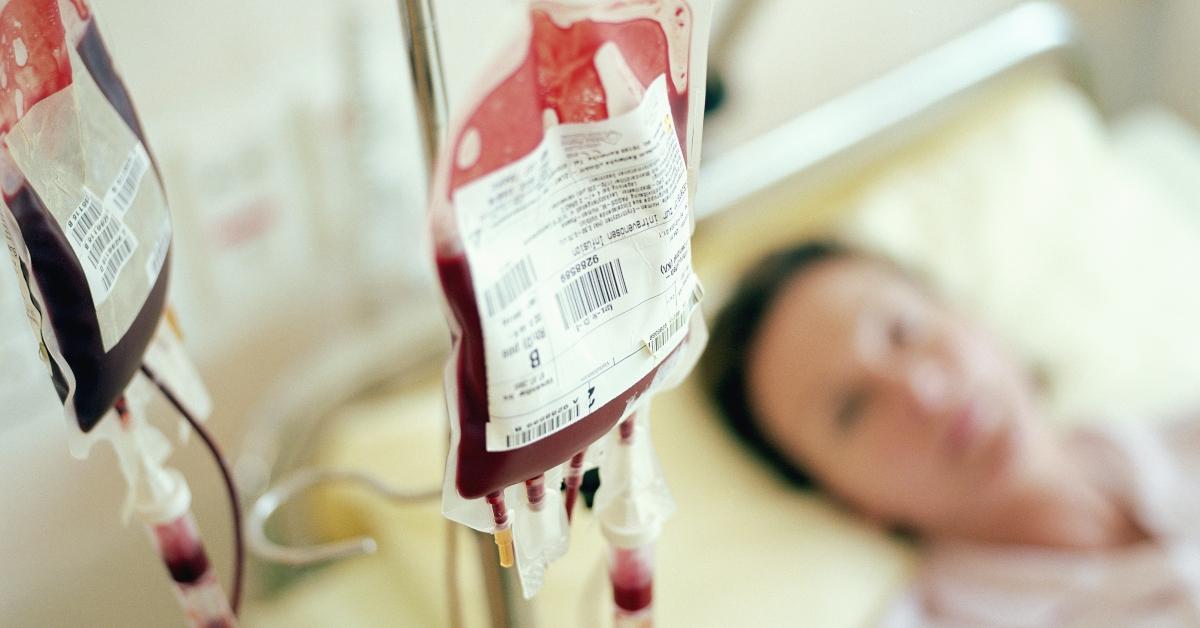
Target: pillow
x,y
1029,218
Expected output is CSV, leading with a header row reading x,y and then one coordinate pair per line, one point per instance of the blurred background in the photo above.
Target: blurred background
x,y
1039,162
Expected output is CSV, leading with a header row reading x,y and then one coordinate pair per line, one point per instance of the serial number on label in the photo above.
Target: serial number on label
x,y
579,267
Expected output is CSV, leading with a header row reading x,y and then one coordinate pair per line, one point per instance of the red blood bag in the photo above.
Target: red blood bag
x,y
561,221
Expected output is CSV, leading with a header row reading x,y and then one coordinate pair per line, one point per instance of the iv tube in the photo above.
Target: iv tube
x,y
196,585
627,431
631,567
572,481
503,532
239,550
168,518
632,573
535,491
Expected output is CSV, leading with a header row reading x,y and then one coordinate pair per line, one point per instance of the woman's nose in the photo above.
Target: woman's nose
x,y
929,384
922,386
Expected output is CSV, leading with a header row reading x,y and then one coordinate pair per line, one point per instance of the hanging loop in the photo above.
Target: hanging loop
x,y
300,481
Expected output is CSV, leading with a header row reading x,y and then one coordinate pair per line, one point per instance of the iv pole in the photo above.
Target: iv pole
x,y
506,605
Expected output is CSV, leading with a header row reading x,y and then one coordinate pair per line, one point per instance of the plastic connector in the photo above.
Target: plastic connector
x,y
504,544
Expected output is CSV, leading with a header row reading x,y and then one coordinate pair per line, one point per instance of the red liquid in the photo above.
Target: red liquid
x,y
559,74
632,580
181,549
633,598
480,471
535,492
100,376
572,482
199,592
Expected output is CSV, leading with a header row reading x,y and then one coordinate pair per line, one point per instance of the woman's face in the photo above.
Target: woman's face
x,y
895,404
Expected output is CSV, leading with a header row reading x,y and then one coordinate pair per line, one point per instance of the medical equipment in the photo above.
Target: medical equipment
x,y
572,481
561,219
627,70
87,226
632,504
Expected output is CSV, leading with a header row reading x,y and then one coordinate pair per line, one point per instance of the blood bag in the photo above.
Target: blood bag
x,y
86,220
561,222
86,224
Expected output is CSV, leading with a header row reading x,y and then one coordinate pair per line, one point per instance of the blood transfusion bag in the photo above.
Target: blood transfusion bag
x,y
562,224
82,223
87,227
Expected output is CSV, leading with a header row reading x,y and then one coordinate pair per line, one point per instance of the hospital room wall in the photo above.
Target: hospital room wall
x,y
270,123
1180,83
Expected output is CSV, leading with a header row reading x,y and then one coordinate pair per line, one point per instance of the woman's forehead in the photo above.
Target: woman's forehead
x,y
831,297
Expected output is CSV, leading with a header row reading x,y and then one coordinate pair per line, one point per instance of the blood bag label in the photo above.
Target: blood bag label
x,y
158,256
101,241
580,255
124,187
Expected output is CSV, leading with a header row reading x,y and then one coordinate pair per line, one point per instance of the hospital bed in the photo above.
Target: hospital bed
x,y
982,164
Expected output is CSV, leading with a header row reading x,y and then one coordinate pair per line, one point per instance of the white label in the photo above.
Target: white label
x,y
158,255
580,255
102,243
125,185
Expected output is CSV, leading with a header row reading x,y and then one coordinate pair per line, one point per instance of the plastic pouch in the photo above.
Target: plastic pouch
x,y
86,223
86,220
561,218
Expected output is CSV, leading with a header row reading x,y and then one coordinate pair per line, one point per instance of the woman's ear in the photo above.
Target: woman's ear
x,y
889,525
872,516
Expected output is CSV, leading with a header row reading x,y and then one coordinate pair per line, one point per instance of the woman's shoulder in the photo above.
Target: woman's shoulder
x,y
1153,465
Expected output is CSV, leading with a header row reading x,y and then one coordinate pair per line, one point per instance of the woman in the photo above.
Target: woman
x,y
843,373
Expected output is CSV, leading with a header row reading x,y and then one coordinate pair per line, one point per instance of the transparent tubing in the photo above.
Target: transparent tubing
x,y
631,570
175,536
503,530
196,585
535,492
239,558
632,574
573,480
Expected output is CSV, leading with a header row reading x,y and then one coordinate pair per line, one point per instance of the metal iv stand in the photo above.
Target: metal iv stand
x,y
506,605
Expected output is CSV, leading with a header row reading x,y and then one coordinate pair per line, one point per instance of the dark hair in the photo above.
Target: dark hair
x,y
723,368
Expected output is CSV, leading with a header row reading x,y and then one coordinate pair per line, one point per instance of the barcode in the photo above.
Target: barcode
x,y
125,186
511,284
546,425
85,216
591,291
121,251
106,233
659,338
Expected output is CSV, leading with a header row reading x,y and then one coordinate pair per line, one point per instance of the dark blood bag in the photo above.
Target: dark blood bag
x,y
85,218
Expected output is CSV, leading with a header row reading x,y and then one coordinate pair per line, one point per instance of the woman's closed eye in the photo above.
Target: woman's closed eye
x,y
851,409
904,330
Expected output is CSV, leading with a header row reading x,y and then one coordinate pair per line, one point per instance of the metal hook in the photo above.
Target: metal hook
x,y
298,482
